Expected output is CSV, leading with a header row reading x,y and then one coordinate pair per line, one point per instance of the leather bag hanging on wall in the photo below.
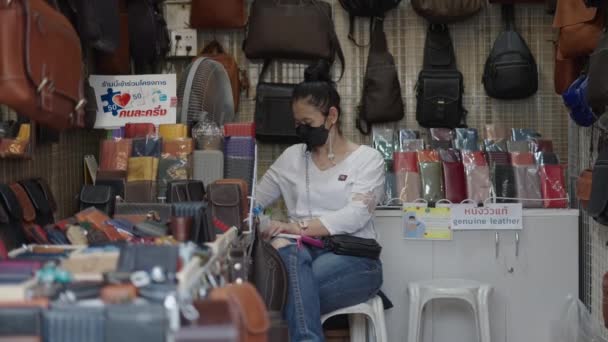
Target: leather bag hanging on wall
x,y
117,62
238,78
366,8
579,28
40,64
213,14
598,204
148,35
283,29
447,11
440,85
510,71
97,23
381,100
597,91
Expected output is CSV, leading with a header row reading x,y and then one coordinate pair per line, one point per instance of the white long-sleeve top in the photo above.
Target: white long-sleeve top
x,y
343,197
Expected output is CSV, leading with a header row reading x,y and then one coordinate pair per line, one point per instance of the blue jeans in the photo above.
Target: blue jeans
x,y
321,282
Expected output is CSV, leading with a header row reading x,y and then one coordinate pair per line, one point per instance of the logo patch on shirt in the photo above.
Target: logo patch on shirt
x,y
342,178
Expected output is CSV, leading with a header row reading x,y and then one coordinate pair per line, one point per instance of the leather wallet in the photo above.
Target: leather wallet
x,y
244,190
522,158
74,323
141,192
432,181
118,294
170,169
173,131
553,187
583,188
202,228
147,147
114,179
114,154
139,130
144,258
151,228
131,322
42,199
178,147
477,176
428,156
455,182
503,180
185,191
139,212
408,186
405,162
180,227
225,205
142,169
98,221
527,184
98,196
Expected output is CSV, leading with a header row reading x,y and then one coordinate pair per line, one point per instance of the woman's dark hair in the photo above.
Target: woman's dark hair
x,y
318,90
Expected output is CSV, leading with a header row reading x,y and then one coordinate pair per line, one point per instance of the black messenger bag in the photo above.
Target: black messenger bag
x,y
598,204
510,71
440,85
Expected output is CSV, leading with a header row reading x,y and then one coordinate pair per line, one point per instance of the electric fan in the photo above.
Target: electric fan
x,y
205,87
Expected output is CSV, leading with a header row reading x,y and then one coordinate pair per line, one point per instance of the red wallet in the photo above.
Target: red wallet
x,y
405,162
139,130
455,182
553,187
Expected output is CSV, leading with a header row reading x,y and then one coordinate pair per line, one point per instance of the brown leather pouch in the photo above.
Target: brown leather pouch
x,y
141,192
580,28
114,154
210,14
41,64
225,202
252,311
242,184
583,187
118,294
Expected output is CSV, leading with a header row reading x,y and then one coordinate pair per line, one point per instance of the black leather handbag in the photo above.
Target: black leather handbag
x,y
440,85
99,196
185,191
268,273
353,246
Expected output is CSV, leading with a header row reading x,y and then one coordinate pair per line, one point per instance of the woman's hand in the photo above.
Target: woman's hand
x,y
277,227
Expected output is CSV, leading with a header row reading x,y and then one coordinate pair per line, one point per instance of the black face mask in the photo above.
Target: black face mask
x,y
312,136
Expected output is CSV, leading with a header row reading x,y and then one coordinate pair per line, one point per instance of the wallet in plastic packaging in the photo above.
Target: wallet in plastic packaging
x,y
519,146
503,177
553,186
527,180
546,158
576,324
384,141
432,181
477,174
466,139
523,134
407,176
450,155
412,145
453,175
428,156
441,137
542,145
171,168
150,146
408,134
496,132
496,145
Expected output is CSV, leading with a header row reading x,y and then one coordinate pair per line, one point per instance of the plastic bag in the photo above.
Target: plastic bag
x,y
519,146
412,145
384,141
477,174
450,155
441,137
496,132
431,175
466,139
496,145
407,176
576,324
207,135
171,168
523,134
553,186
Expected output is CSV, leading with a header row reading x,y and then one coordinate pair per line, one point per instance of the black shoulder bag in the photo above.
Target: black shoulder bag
x,y
344,244
381,100
440,85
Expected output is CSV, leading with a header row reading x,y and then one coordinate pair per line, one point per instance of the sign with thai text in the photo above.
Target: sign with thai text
x,y
493,216
134,99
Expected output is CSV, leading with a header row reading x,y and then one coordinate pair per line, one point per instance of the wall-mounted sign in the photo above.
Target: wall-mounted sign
x,y
493,216
422,223
134,99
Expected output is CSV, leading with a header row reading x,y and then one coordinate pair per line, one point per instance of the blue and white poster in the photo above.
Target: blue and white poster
x,y
134,99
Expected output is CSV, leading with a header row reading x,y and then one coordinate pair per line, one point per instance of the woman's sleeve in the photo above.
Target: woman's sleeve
x,y
267,189
366,194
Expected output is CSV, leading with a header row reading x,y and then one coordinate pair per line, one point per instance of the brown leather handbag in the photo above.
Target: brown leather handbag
x,y
119,61
254,321
41,64
566,71
579,27
583,187
213,14
238,77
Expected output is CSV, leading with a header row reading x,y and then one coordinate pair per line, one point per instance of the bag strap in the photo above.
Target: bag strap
x,y
214,47
508,16
438,48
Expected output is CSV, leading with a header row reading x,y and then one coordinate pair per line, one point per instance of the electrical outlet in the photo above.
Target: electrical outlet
x,y
183,42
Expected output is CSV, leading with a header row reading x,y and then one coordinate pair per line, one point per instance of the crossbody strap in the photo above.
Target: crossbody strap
x,y
438,48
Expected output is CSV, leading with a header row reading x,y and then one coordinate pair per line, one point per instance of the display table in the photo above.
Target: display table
x,y
531,279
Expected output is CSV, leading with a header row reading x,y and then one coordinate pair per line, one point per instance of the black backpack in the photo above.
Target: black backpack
x,y
381,100
510,71
366,8
148,35
440,85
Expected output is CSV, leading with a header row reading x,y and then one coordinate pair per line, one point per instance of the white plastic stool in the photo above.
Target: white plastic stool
x,y
373,309
474,293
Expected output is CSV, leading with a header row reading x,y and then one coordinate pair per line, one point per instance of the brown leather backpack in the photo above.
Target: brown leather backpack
x,y
579,27
214,14
41,64
238,78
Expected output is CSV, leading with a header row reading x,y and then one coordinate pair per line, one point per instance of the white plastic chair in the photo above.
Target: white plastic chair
x,y
374,310
476,294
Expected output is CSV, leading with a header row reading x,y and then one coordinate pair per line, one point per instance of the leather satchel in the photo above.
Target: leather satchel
x,y
225,205
579,27
238,78
583,187
209,14
141,192
41,74
114,154
301,30
99,196
444,12
244,190
254,322
269,274
185,191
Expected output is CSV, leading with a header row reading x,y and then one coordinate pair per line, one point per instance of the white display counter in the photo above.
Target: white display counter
x,y
531,278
